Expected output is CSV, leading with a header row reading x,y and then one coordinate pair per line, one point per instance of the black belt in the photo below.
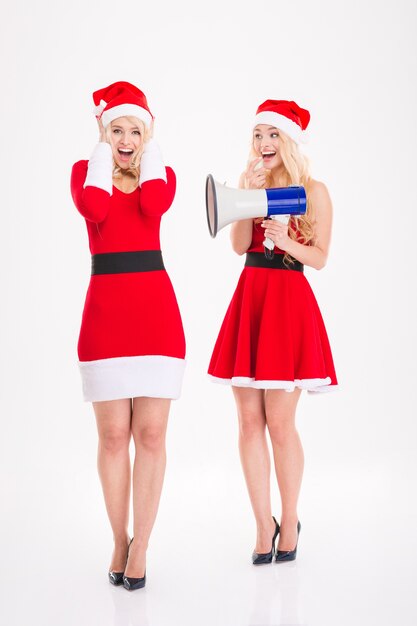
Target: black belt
x,y
258,259
125,262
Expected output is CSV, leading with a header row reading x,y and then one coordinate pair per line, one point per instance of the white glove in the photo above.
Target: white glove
x,y
100,168
151,164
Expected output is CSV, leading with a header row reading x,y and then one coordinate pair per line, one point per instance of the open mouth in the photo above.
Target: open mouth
x,y
125,154
268,155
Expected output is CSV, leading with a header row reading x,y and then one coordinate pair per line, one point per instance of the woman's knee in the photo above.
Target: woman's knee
x,y
151,438
280,409
281,429
251,411
114,440
251,423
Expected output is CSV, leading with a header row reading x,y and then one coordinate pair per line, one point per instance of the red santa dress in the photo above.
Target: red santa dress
x,y
273,335
131,340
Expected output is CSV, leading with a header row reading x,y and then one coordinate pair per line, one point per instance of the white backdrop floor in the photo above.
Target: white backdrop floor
x,y
355,569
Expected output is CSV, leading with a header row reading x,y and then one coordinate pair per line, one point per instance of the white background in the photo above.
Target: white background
x,y
205,68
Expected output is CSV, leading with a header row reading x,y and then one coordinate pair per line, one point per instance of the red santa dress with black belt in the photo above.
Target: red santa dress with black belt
x,y
131,340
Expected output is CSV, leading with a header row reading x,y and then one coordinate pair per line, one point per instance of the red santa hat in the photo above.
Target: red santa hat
x,y
285,115
120,99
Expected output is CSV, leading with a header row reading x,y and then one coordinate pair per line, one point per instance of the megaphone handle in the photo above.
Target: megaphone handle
x,y
268,243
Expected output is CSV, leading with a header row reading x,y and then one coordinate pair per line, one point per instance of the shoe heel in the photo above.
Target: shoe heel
x,y
131,584
116,578
283,556
265,558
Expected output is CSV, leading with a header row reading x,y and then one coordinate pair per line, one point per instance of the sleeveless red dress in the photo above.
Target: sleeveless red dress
x,y
273,335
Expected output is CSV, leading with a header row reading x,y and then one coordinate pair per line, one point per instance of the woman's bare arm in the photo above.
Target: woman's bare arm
x,y
314,255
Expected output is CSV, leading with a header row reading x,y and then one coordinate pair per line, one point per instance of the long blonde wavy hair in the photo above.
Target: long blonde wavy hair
x,y
134,168
297,172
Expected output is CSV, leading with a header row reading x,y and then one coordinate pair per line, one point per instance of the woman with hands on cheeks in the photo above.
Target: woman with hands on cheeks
x,y
131,345
273,342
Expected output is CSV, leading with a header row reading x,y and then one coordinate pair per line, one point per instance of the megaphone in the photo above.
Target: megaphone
x,y
225,205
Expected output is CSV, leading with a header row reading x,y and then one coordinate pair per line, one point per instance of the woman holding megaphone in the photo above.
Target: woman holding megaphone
x,y
273,342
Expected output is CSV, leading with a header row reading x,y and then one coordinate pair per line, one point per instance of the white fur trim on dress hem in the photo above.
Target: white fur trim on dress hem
x,y
313,385
153,376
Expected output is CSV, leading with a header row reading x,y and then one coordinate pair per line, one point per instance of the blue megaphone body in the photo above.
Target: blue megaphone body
x,y
225,205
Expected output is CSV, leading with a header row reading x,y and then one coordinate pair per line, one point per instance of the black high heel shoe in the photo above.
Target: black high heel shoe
x,y
283,556
133,583
116,578
262,559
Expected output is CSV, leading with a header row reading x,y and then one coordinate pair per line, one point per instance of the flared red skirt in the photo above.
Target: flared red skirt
x,y
273,335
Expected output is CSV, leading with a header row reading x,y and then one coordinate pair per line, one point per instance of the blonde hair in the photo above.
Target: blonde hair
x,y
134,168
297,172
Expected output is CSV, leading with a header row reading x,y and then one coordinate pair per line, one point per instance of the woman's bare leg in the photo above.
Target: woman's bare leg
x,y
280,408
149,424
114,431
254,456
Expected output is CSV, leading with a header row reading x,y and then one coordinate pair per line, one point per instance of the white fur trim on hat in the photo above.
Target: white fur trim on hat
x,y
98,110
292,129
122,110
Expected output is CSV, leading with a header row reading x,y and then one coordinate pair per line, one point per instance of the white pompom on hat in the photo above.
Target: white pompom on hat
x,y
121,99
285,115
